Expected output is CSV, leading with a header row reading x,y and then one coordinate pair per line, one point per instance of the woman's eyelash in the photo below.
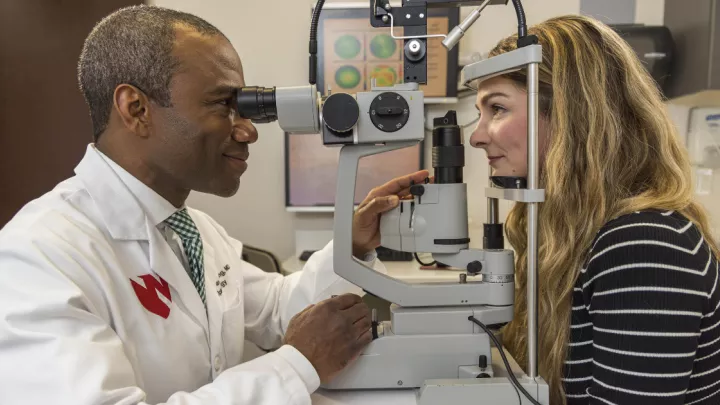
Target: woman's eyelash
x,y
496,108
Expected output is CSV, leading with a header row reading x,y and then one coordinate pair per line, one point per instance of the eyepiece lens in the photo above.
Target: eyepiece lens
x,y
257,104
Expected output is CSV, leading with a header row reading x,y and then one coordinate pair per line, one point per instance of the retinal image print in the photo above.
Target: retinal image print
x,y
355,53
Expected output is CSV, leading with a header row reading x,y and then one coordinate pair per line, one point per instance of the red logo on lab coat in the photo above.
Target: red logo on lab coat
x,y
149,295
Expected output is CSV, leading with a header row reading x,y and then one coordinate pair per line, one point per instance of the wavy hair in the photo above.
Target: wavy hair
x,y
612,150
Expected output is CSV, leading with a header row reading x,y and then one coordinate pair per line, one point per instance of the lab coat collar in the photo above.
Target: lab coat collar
x,y
121,212
157,208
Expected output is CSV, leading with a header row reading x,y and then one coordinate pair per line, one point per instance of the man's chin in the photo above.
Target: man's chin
x,y
226,189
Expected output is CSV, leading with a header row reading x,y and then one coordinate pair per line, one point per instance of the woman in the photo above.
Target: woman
x,y
628,295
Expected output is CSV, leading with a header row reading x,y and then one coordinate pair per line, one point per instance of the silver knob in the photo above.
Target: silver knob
x,y
414,47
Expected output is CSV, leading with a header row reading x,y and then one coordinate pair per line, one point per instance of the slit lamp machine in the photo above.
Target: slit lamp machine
x,y
437,341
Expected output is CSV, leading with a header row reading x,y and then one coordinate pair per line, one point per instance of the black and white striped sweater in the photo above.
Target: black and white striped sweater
x,y
646,316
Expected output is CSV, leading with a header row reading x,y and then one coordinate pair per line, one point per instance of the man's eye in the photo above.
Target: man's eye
x,y
225,102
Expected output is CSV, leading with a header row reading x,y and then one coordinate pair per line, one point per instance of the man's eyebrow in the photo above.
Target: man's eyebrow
x,y
222,90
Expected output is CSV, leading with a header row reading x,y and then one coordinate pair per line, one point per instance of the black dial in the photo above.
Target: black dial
x,y
340,112
389,112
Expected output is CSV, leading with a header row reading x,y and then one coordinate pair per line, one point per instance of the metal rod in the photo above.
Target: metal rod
x,y
463,3
492,211
459,31
532,216
470,19
392,33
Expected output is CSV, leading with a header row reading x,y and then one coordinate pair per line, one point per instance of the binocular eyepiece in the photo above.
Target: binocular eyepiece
x,y
260,105
257,104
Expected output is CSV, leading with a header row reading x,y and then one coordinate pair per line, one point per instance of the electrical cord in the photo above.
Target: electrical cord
x,y
513,379
313,40
522,25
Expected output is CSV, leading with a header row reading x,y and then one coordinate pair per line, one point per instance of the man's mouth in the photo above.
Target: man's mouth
x,y
238,157
237,161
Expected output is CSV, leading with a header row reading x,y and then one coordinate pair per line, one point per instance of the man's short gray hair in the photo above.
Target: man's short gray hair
x,y
132,46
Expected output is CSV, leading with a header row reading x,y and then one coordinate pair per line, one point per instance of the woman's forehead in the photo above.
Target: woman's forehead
x,y
496,86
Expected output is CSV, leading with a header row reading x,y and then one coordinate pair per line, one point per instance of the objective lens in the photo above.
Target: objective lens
x,y
448,153
257,104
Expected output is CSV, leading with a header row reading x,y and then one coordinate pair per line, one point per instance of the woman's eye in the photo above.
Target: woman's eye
x,y
497,109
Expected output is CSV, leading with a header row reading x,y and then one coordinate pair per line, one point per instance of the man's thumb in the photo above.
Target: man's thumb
x,y
391,202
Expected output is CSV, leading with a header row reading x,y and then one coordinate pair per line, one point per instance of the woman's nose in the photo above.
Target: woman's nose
x,y
479,137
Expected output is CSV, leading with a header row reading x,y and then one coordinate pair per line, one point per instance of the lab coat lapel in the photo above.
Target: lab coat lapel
x,y
213,299
166,264
125,220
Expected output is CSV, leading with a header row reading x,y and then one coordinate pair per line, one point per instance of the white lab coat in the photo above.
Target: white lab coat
x,y
95,308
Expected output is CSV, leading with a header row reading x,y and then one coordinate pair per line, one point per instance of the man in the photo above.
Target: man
x,y
113,291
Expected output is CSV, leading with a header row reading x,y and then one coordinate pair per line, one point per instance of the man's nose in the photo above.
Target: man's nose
x,y
244,131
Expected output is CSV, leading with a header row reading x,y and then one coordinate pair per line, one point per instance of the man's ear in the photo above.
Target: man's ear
x,y
133,107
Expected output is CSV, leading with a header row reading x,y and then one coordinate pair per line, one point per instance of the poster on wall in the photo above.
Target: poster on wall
x,y
352,53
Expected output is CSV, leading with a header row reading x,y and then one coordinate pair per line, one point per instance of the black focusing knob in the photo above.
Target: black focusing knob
x,y
340,112
482,361
474,267
417,190
389,112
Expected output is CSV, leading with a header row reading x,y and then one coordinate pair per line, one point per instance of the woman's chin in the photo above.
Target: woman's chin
x,y
508,172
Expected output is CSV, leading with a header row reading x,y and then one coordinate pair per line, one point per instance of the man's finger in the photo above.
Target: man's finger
x,y
398,184
405,193
345,301
363,324
357,312
365,339
379,205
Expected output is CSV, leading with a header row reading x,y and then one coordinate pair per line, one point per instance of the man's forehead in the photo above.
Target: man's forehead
x,y
211,56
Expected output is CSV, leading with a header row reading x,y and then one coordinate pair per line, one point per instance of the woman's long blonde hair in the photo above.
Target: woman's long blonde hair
x,y
612,150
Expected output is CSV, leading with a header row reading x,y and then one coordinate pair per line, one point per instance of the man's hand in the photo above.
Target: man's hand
x,y
331,334
366,222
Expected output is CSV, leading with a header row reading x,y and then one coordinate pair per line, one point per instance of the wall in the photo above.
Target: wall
x,y
610,11
650,12
44,121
